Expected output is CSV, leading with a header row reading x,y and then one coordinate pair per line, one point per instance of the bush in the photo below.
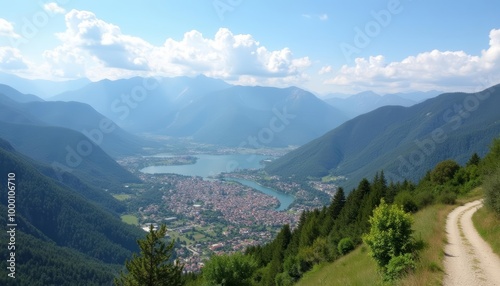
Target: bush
x,y
345,245
447,198
491,187
424,199
398,266
407,201
390,233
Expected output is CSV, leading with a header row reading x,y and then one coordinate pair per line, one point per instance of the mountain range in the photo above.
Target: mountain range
x,y
210,111
363,102
405,142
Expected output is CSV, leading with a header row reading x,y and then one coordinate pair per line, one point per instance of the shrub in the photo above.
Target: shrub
x,y
390,233
447,198
407,201
491,188
398,266
345,245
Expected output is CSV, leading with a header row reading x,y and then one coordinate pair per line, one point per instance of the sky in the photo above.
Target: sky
x,y
324,46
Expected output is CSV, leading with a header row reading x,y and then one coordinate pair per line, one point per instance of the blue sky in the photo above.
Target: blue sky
x,y
322,46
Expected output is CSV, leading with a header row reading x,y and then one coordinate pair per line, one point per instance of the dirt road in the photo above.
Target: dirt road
x,y
469,260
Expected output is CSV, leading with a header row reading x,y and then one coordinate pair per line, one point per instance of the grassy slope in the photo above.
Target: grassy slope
x,y
488,226
357,268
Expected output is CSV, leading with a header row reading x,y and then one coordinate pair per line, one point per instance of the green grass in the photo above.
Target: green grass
x,y
356,268
130,219
121,197
488,226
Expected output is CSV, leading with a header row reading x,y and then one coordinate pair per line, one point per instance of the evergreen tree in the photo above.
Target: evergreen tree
x,y
474,160
152,266
338,203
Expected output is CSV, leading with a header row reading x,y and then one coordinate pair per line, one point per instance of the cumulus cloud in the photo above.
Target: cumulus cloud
x,y
325,70
89,43
7,29
53,8
429,70
11,59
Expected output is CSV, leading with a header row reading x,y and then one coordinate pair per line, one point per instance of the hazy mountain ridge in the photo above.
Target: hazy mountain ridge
x,y
209,110
367,101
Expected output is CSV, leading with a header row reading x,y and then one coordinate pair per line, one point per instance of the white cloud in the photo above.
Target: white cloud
x,y
91,44
323,17
325,70
7,29
53,8
11,59
429,70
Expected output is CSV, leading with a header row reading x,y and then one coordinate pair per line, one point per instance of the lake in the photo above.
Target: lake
x,y
212,165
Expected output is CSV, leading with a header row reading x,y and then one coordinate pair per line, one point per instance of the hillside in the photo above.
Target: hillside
x,y
65,239
75,154
275,117
76,116
404,141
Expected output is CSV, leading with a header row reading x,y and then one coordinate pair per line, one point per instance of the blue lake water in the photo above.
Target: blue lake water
x,y
212,165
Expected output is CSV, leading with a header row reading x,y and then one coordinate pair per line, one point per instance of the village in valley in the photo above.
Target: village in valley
x,y
206,216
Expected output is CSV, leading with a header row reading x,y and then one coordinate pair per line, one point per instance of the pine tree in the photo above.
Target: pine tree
x,y
152,266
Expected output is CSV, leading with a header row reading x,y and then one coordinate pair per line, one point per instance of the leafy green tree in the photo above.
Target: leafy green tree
x,y
228,270
444,171
152,266
390,234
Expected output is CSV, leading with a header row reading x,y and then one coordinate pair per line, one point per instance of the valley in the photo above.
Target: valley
x,y
216,201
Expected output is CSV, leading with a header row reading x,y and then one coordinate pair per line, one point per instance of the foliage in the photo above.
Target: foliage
x,y
491,189
345,245
229,270
152,266
491,186
398,266
390,236
444,171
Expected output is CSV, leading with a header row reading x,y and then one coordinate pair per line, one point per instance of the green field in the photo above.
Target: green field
x,y
130,219
121,197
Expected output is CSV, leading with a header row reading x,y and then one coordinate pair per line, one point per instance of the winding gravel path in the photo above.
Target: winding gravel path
x,y
469,260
